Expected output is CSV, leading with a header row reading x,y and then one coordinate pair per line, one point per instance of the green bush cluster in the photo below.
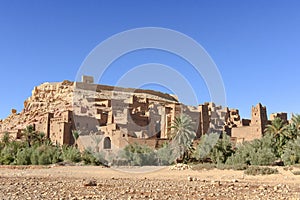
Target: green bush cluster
x,y
256,170
209,166
257,152
291,153
281,143
34,149
205,146
16,153
71,154
89,158
212,147
167,154
139,155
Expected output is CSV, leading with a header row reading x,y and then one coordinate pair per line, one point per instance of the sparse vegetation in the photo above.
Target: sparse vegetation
x,y
291,153
222,150
256,170
281,143
257,152
139,155
71,154
205,146
210,166
167,154
35,149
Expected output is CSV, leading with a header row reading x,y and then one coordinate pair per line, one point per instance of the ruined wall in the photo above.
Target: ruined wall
x,y
204,119
152,143
282,116
246,133
254,129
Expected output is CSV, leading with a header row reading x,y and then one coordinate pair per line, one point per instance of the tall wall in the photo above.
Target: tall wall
x,y
259,118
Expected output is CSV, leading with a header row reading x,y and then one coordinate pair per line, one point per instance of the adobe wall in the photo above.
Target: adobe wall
x,y
246,133
253,129
152,143
282,116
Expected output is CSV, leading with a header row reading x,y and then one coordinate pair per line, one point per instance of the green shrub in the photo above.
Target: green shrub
x,y
23,156
9,152
167,154
291,152
209,166
202,166
238,167
89,158
6,138
222,150
256,152
139,155
205,146
44,155
71,154
262,156
256,170
101,157
7,156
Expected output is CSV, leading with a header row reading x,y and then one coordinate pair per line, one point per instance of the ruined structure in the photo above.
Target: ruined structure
x,y
112,117
247,129
250,129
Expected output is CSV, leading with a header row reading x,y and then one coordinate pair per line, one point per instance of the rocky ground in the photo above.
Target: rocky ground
x,y
89,182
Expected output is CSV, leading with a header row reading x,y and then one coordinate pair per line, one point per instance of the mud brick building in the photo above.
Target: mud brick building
x,y
119,116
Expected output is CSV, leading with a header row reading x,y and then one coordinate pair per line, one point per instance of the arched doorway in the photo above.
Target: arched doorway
x,y
107,143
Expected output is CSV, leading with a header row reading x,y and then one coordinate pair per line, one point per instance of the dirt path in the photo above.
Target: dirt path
x,y
158,183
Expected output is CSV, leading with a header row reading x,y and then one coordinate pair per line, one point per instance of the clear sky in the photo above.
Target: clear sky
x,y
254,43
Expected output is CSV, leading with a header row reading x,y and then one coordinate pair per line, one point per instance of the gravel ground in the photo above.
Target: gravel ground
x,y
88,182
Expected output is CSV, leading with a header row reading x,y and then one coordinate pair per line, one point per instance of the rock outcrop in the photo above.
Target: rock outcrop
x,y
48,97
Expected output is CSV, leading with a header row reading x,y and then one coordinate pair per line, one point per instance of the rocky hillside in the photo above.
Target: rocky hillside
x,y
48,97
60,96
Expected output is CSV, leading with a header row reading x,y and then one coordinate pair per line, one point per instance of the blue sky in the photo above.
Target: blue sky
x,y
255,44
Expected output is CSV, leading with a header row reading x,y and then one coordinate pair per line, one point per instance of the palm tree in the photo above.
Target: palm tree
x,y
6,138
280,131
277,128
29,135
296,120
39,138
183,133
295,124
76,134
96,139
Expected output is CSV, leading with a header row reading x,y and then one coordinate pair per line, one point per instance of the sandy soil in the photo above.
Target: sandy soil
x,y
69,182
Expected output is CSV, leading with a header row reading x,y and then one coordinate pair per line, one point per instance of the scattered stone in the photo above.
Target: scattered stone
x,y
90,183
70,186
180,166
261,187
